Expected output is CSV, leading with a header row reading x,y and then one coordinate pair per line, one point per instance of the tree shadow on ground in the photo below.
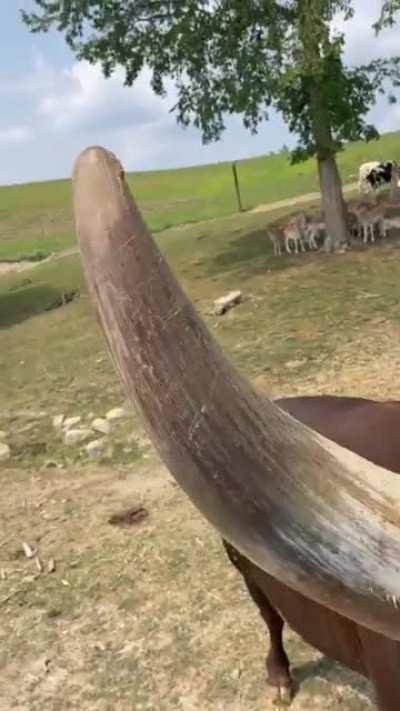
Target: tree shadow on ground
x,y
248,255
19,304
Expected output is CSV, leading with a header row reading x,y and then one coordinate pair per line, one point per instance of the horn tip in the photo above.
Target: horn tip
x,y
94,156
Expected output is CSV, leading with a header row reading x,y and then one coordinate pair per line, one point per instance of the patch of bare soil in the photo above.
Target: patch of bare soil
x,y
150,615
21,265
307,197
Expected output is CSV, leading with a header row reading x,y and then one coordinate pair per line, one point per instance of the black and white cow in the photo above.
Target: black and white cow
x,y
375,175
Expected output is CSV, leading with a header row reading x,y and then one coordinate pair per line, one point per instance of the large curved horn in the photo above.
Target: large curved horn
x,y
314,515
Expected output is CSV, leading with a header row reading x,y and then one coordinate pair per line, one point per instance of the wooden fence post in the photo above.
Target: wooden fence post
x,y
237,188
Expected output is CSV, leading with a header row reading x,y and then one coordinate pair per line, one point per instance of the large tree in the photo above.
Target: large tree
x,y
237,56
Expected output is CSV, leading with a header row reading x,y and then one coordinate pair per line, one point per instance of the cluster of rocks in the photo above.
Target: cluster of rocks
x,y
93,436
75,432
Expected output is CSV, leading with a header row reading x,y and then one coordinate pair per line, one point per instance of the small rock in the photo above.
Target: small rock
x,y
58,421
29,552
76,436
101,425
236,673
50,464
90,416
224,303
129,517
3,435
95,448
71,422
294,364
5,452
117,413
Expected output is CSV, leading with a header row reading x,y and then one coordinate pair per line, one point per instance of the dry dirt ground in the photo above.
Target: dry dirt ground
x,y
150,616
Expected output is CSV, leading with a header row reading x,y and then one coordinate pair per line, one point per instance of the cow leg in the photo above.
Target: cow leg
x,y
277,663
382,660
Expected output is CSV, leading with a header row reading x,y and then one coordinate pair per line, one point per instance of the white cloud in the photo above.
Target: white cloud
x,y
14,134
81,97
362,43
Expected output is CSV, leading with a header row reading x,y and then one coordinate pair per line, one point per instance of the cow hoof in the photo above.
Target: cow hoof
x,y
283,696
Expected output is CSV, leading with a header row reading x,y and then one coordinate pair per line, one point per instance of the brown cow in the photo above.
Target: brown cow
x,y
317,525
371,429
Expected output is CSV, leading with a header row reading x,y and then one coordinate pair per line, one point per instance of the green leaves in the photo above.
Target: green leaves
x,y
233,56
388,16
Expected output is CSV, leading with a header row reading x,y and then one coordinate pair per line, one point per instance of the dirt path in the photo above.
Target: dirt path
x,y
151,617
23,265
299,200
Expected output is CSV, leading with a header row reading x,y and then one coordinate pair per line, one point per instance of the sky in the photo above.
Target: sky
x,y
51,106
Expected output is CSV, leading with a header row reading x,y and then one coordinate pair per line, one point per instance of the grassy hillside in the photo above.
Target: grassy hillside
x,y
36,218
296,308
153,616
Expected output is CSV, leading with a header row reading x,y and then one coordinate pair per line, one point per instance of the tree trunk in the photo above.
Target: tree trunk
x,y
395,188
311,30
333,204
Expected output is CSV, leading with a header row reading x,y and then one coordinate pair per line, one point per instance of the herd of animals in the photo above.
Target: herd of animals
x,y
366,218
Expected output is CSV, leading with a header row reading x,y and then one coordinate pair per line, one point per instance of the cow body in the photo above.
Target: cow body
x,y
376,175
371,429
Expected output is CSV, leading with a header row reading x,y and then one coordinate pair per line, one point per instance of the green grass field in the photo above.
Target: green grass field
x,y
36,218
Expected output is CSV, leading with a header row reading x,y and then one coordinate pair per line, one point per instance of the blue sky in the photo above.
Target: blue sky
x,y
52,107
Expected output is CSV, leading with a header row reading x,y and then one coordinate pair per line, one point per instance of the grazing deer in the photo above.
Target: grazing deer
x,y
277,238
370,217
285,234
313,230
293,232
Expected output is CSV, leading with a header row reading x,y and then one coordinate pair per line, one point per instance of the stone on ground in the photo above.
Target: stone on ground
x,y
75,436
117,413
101,425
224,303
71,422
58,421
5,452
95,448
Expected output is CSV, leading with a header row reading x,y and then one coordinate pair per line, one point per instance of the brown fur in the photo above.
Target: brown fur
x,y
371,429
